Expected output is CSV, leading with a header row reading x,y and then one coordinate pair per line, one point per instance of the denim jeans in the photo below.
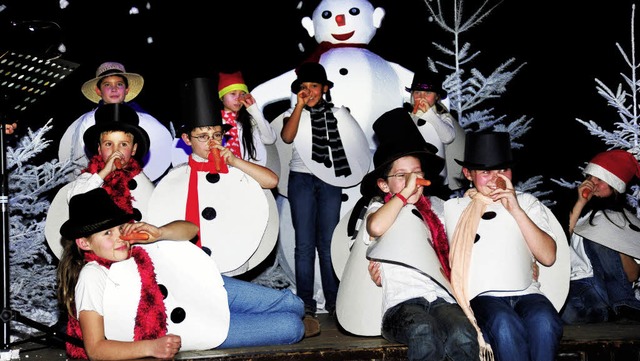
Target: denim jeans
x,y
315,213
261,315
433,331
587,302
519,327
610,276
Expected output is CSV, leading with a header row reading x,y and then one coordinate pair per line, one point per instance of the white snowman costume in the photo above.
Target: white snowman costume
x,y
195,301
234,215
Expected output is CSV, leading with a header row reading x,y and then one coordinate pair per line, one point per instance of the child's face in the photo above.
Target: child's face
x,y
231,100
106,244
314,91
113,89
396,178
485,180
117,142
600,188
429,97
201,139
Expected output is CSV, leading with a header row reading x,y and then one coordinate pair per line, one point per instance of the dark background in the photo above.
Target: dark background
x,y
565,45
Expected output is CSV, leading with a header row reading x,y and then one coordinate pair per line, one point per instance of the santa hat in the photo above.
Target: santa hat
x,y
615,167
230,82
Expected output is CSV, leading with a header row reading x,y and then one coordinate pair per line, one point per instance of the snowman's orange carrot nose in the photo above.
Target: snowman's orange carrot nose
x,y
585,193
135,236
423,182
215,152
118,163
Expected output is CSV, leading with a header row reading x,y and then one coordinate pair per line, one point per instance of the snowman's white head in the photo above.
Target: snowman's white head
x,y
340,21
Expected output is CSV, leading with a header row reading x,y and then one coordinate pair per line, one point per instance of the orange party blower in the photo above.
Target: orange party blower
x,y
135,236
423,182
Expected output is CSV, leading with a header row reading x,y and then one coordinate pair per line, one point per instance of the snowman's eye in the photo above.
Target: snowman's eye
x,y
326,14
354,11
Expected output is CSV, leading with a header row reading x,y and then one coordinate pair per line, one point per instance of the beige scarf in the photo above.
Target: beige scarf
x,y
460,260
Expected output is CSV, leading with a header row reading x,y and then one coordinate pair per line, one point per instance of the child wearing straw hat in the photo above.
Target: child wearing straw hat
x,y
112,84
604,243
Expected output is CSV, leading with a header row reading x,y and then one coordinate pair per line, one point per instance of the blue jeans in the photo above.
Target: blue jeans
x,y
315,212
610,276
520,327
587,302
433,331
261,315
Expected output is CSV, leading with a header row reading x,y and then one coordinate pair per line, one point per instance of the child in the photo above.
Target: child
x,y
604,249
315,204
115,146
418,309
250,131
131,303
114,85
496,234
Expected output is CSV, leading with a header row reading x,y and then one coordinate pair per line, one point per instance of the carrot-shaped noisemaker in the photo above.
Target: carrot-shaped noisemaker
x,y
501,183
217,160
585,193
117,163
135,236
423,182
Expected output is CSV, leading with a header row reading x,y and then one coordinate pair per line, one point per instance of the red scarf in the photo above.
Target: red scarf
x,y
151,318
324,46
192,213
117,182
440,242
233,142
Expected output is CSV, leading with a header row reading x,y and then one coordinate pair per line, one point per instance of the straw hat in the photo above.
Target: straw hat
x,y
112,68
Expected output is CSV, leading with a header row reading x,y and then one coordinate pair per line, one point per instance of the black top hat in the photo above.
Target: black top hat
x,y
92,212
398,137
199,106
310,72
487,150
428,82
114,117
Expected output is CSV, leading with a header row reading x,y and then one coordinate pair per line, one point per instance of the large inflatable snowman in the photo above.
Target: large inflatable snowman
x,y
364,82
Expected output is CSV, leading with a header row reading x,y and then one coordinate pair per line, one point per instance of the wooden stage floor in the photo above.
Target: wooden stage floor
x,y
596,342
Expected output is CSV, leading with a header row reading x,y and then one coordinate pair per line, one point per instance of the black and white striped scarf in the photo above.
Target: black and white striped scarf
x,y
325,138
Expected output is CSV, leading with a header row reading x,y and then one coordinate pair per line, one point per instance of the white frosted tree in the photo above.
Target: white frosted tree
x,y
468,87
624,100
32,272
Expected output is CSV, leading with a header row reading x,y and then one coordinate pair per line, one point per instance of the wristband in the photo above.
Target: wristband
x,y
402,198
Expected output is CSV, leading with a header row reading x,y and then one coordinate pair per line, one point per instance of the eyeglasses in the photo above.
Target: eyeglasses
x,y
402,175
206,137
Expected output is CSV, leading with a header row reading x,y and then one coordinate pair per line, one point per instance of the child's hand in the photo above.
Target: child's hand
x,y
166,347
227,155
585,191
247,100
303,96
374,273
133,232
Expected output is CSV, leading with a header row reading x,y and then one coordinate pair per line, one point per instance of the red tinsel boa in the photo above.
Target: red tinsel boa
x,y
440,242
117,182
151,318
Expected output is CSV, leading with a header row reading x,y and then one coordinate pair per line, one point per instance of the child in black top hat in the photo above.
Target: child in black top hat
x,y
115,146
496,236
418,309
